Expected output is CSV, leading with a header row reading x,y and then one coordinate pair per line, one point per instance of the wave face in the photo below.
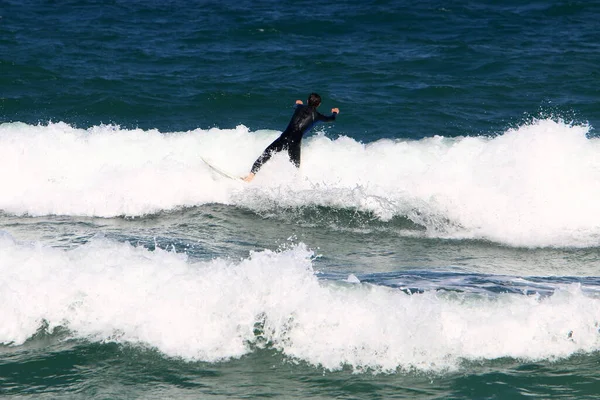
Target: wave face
x,y
535,185
107,291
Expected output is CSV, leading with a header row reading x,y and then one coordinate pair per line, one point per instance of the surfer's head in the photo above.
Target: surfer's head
x,y
314,100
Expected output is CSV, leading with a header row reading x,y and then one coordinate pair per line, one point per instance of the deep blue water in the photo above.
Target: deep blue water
x,y
395,69
440,240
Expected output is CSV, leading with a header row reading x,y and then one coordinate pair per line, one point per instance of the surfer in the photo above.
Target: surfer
x,y
304,118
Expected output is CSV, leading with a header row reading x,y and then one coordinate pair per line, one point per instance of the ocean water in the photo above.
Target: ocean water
x,y
441,239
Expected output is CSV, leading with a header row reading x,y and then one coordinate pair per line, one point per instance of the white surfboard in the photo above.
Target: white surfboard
x,y
221,172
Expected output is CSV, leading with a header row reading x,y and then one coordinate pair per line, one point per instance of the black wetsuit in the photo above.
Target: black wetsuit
x,y
303,119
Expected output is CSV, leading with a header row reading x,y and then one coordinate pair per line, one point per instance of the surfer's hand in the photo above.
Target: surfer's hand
x,y
249,177
335,110
299,102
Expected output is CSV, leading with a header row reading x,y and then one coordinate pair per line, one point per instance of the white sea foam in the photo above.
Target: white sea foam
x,y
537,185
212,311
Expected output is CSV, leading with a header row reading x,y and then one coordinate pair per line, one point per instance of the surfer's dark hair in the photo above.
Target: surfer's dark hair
x,y
314,100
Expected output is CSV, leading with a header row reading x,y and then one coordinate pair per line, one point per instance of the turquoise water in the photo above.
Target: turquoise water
x,y
440,239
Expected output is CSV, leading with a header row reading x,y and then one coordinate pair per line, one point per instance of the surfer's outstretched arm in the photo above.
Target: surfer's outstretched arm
x,y
329,118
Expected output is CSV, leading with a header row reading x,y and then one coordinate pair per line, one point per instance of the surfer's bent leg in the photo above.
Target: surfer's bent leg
x,y
294,153
271,149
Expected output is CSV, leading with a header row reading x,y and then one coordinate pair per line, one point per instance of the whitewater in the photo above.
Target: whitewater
x,y
213,311
535,185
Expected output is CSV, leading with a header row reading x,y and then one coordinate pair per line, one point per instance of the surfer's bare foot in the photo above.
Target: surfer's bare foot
x,y
249,177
